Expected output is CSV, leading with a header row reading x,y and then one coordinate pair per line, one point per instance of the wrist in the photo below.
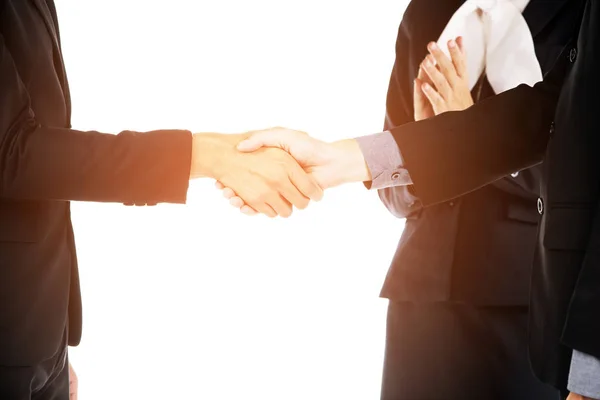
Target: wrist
x,y
350,162
210,153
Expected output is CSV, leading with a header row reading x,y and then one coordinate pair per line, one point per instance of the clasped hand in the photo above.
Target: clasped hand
x,y
442,85
318,165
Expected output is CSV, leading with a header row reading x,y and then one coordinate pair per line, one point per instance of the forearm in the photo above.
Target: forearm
x,y
457,152
45,163
373,159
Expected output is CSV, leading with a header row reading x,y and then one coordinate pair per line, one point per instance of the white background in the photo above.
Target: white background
x,y
199,301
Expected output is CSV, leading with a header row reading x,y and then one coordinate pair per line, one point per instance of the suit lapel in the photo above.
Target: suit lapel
x,y
539,13
43,9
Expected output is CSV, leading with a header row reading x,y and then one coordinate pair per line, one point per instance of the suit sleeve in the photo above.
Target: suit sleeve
x,y
582,327
40,162
458,152
400,200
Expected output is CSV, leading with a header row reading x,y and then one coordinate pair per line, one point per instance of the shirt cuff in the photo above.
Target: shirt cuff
x,y
584,375
384,161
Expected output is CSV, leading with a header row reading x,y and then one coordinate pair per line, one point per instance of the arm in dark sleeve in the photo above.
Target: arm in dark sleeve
x,y
400,200
457,152
51,163
582,327
581,330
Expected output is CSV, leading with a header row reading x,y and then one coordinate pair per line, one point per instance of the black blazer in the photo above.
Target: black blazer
x,y
480,145
44,164
477,248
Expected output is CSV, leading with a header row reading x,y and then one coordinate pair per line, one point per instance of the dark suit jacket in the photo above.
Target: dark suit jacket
x,y
486,142
44,164
477,248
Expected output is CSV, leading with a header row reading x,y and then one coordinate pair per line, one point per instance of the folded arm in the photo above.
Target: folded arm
x,y
457,152
399,200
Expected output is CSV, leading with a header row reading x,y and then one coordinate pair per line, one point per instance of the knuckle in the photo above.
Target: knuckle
x,y
263,197
256,198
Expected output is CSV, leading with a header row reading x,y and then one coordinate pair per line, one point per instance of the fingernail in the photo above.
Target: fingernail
x,y
452,44
433,46
426,87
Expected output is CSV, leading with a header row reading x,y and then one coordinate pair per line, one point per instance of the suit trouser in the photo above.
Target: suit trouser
x,y
447,351
48,380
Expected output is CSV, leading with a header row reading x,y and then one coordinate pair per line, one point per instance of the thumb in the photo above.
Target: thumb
x,y
258,140
249,145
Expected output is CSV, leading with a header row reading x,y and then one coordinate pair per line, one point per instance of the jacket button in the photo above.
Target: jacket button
x,y
540,206
551,130
515,174
451,204
573,55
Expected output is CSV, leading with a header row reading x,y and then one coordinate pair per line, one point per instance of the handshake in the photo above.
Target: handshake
x,y
271,171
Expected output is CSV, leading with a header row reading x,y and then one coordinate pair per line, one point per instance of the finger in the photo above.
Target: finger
x,y
423,77
267,138
422,106
444,64
260,200
73,384
237,202
461,44
249,211
305,184
418,94
228,193
439,80
280,205
264,208
250,145
420,99
436,100
219,185
293,196
458,59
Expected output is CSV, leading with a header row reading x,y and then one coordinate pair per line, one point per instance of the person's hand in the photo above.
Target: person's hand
x,y
442,81
422,106
331,164
269,180
574,396
73,383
